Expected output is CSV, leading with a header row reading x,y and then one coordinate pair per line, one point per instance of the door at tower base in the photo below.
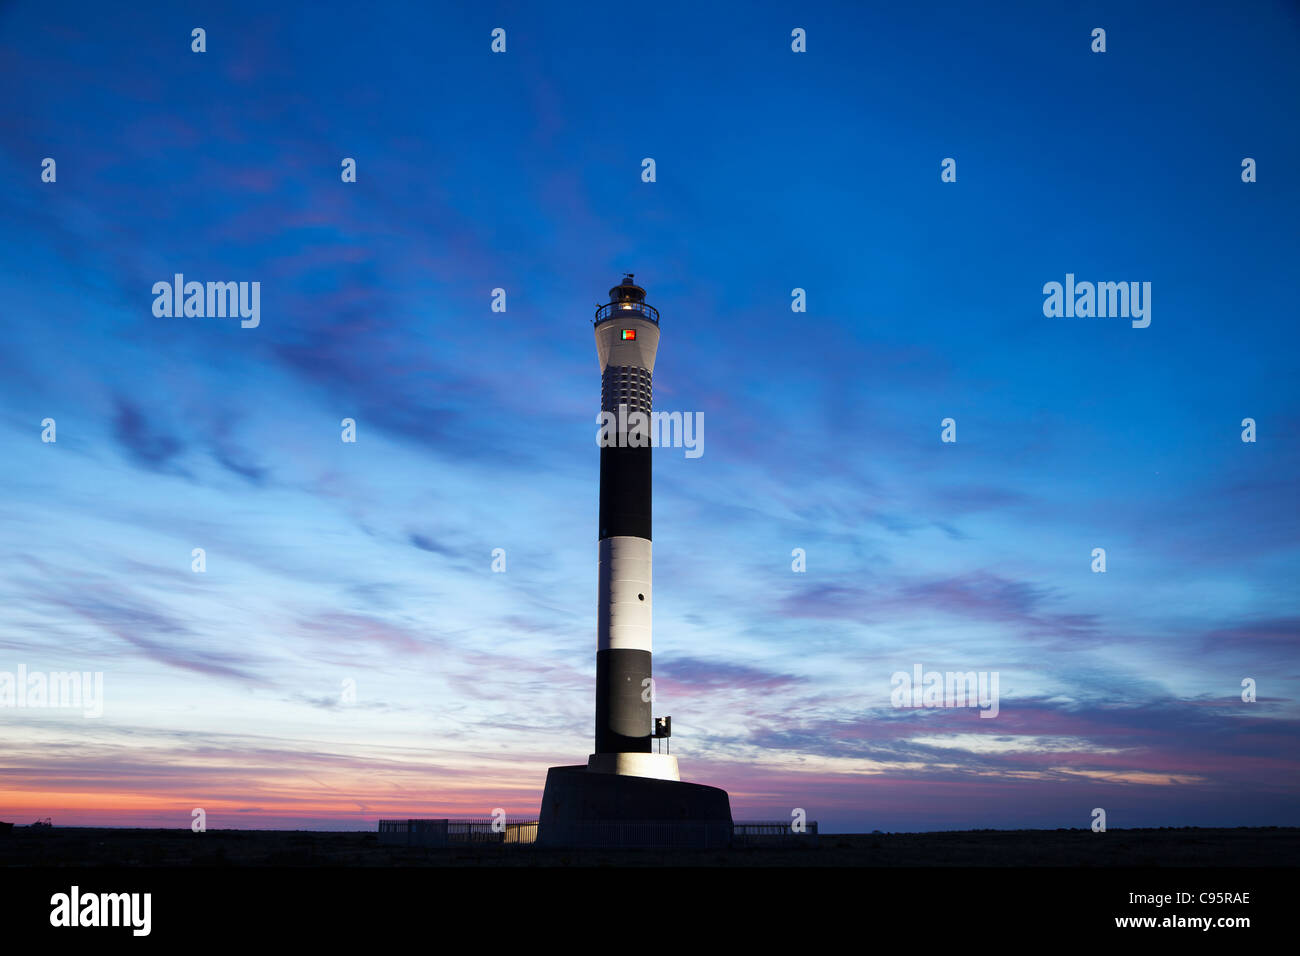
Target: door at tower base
x,y
585,809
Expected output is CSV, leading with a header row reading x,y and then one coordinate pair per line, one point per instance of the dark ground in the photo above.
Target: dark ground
x,y
1260,846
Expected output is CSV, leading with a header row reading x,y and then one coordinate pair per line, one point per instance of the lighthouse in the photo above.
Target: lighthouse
x,y
624,783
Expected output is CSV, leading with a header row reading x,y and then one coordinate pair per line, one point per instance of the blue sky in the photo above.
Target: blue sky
x,y
371,561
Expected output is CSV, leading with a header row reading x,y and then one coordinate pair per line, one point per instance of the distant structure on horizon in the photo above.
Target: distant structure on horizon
x,y
623,781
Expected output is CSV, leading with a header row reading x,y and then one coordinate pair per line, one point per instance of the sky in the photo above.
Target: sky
x,y
348,652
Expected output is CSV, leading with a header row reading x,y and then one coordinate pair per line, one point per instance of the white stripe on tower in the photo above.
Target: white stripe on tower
x,y
623,618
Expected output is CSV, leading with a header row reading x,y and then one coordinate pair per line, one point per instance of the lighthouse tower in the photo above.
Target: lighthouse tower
x,y
627,340
625,785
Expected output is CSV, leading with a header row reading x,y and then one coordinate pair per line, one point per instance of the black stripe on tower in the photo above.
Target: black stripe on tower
x,y
625,492
623,719
625,473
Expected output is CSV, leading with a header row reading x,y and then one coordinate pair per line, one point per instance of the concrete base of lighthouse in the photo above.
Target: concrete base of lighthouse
x,y
596,806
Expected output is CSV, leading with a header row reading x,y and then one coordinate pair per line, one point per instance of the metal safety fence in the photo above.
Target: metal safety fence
x,y
456,832
616,834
